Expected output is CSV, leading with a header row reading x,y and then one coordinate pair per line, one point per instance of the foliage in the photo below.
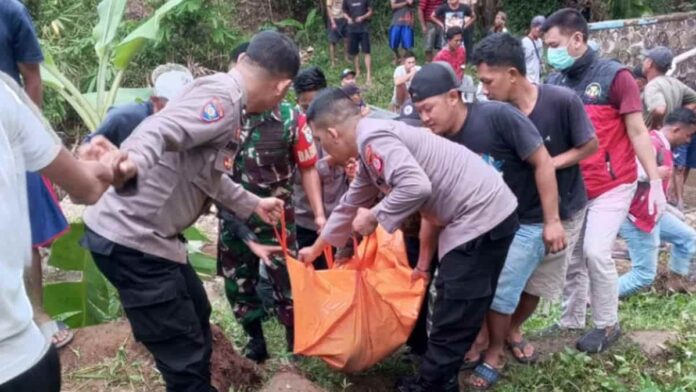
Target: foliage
x,y
204,264
301,30
113,59
520,13
91,300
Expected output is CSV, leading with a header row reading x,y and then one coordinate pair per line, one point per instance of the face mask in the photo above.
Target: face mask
x,y
559,58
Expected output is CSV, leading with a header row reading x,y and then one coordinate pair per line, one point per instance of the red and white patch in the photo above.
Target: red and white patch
x,y
377,163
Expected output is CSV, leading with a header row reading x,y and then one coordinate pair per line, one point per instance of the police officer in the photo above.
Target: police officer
x,y
275,146
179,159
472,207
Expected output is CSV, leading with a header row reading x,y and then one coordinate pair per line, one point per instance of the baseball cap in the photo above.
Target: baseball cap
x,y
661,56
170,79
347,72
433,79
409,115
538,21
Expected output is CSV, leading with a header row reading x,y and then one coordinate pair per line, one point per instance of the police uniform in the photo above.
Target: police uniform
x,y
182,155
454,189
274,147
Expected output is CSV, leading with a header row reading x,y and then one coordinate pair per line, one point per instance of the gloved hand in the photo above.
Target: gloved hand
x,y
656,199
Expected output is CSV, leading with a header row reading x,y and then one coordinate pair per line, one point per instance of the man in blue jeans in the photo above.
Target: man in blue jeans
x,y
641,232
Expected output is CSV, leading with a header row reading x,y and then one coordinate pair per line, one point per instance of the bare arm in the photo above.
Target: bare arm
x,y
545,178
85,181
312,187
396,6
471,20
575,155
421,18
31,74
437,21
657,116
640,140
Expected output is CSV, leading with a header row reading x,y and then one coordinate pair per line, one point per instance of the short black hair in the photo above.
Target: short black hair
x,y
331,106
637,72
569,21
274,52
238,50
500,50
409,54
309,79
453,31
681,116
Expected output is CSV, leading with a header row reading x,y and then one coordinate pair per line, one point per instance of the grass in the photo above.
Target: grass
x,y
624,368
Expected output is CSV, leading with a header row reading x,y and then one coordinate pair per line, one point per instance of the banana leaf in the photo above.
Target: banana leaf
x,y
110,15
124,95
135,41
92,299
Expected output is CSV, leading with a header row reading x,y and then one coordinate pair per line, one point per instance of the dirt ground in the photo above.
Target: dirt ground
x,y
106,358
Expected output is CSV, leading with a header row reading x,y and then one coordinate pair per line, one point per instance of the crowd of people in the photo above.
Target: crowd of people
x,y
506,193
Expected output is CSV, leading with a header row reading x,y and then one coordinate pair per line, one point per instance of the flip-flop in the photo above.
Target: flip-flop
x,y
487,373
51,328
523,359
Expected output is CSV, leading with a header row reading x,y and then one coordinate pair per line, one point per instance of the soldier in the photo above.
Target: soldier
x,y
471,206
180,158
274,147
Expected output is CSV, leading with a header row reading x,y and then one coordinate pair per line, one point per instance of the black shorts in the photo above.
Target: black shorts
x,y
44,376
358,42
340,33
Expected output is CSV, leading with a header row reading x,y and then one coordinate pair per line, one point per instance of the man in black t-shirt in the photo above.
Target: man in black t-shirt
x,y
507,140
455,14
358,13
529,273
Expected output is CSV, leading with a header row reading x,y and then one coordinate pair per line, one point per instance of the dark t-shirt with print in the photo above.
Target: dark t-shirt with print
x,y
354,9
453,17
505,138
403,16
560,117
18,42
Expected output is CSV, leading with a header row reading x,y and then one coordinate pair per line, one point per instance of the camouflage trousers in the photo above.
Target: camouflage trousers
x,y
240,268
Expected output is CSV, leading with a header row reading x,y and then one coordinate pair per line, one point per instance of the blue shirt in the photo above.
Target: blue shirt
x,y
18,42
120,121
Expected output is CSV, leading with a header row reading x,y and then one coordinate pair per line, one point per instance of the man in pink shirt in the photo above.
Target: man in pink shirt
x,y
454,54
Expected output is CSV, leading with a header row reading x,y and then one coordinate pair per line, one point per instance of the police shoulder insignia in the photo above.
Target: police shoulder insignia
x,y
374,160
212,111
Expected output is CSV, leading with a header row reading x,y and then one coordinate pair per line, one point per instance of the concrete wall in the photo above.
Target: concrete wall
x,y
626,39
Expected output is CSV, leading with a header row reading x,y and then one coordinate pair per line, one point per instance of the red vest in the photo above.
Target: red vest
x,y
614,163
638,213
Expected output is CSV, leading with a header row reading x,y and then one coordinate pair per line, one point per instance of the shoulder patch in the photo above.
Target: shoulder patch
x,y
212,111
374,160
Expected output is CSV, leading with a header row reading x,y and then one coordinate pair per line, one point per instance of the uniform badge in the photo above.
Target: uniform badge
x,y
212,111
593,91
308,134
224,161
374,160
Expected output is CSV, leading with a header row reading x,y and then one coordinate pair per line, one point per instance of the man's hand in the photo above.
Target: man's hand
x,y
264,252
269,209
320,221
365,223
349,20
656,199
124,171
309,254
554,237
333,25
420,274
95,149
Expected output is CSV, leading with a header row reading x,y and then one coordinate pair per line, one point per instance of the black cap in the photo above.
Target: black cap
x,y
433,79
409,115
661,56
347,72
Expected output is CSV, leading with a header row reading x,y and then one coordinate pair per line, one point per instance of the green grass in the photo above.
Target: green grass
x,y
623,368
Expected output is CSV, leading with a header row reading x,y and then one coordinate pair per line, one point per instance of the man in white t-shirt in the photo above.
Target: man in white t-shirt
x,y
28,361
534,49
402,80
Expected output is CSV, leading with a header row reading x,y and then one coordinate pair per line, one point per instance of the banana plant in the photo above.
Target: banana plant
x,y
113,59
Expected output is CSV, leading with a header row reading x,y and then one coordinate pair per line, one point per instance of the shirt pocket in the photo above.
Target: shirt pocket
x,y
274,166
159,185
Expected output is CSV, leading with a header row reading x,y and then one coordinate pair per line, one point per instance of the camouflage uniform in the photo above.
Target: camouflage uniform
x,y
265,166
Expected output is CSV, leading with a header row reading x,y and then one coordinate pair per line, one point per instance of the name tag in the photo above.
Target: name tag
x,y
224,161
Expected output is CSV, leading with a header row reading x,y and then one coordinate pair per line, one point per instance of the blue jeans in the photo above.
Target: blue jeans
x,y
524,256
643,248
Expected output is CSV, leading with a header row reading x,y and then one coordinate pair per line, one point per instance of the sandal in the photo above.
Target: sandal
x,y
523,358
486,373
52,328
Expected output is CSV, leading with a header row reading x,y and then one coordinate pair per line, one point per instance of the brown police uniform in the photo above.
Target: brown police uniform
x,y
453,188
182,154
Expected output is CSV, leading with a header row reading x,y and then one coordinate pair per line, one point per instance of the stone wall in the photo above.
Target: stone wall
x,y
626,39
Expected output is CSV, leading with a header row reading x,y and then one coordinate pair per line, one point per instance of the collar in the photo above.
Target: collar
x,y
581,65
663,139
241,86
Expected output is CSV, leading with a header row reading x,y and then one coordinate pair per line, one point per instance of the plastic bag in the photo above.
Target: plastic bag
x,y
355,314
